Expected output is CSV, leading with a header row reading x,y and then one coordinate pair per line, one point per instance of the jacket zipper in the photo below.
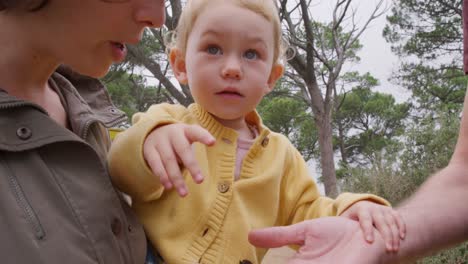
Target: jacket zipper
x,y
15,186
110,124
27,208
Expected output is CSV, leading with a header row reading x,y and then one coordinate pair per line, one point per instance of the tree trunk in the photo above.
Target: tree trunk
x,y
326,156
321,110
341,136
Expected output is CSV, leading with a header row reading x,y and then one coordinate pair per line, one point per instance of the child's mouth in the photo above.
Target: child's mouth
x,y
231,93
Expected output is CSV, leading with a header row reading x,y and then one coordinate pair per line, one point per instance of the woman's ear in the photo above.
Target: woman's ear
x,y
177,61
276,72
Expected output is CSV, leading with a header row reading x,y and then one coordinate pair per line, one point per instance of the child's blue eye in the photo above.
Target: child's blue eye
x,y
213,50
251,55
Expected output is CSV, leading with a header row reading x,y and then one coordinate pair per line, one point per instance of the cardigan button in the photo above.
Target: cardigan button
x,y
265,142
24,133
245,261
223,187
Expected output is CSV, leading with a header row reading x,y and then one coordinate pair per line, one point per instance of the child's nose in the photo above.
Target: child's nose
x,y
232,69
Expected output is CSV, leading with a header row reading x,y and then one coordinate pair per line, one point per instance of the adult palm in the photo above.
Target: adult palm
x,y
324,240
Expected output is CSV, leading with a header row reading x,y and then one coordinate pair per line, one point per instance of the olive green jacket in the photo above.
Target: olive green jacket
x,y
57,203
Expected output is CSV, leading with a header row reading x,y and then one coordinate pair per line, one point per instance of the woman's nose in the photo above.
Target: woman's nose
x,y
150,13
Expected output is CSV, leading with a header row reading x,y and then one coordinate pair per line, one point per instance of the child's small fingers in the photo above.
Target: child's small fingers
x,y
384,229
164,179
401,224
153,159
179,184
394,231
182,190
195,133
174,173
365,220
186,155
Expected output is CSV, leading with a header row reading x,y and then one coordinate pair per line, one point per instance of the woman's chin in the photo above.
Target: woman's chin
x,y
95,71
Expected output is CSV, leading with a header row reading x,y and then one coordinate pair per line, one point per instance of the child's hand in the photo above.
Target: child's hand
x,y
387,220
169,146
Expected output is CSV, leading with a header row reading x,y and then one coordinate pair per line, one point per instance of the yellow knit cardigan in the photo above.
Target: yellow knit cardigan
x,y
211,224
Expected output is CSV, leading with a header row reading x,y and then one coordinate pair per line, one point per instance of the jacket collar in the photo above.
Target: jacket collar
x,y
87,100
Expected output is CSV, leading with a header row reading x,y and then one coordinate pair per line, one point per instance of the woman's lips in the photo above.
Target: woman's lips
x,y
119,51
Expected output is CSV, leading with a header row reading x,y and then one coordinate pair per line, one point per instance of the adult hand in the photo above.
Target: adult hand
x,y
323,240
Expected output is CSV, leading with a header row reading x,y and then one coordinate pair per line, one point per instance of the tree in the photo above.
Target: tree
x,y
429,145
130,92
428,36
321,51
150,54
367,122
287,114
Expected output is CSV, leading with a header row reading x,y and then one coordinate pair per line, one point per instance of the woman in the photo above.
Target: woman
x,y
56,199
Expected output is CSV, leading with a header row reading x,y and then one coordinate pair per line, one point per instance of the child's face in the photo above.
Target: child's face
x,y
229,60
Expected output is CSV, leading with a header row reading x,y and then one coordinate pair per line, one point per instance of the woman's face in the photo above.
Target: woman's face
x,y
90,35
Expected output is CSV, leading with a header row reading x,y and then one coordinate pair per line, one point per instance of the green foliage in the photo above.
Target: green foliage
x,y
323,33
434,88
429,145
428,36
130,92
287,114
380,179
426,29
367,123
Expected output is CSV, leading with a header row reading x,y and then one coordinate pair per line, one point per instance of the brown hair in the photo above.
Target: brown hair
x,y
30,5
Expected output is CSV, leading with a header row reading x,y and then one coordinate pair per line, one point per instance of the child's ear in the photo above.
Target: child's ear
x,y
177,62
276,72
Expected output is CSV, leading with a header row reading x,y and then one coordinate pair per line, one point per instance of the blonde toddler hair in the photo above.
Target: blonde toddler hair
x,y
266,8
